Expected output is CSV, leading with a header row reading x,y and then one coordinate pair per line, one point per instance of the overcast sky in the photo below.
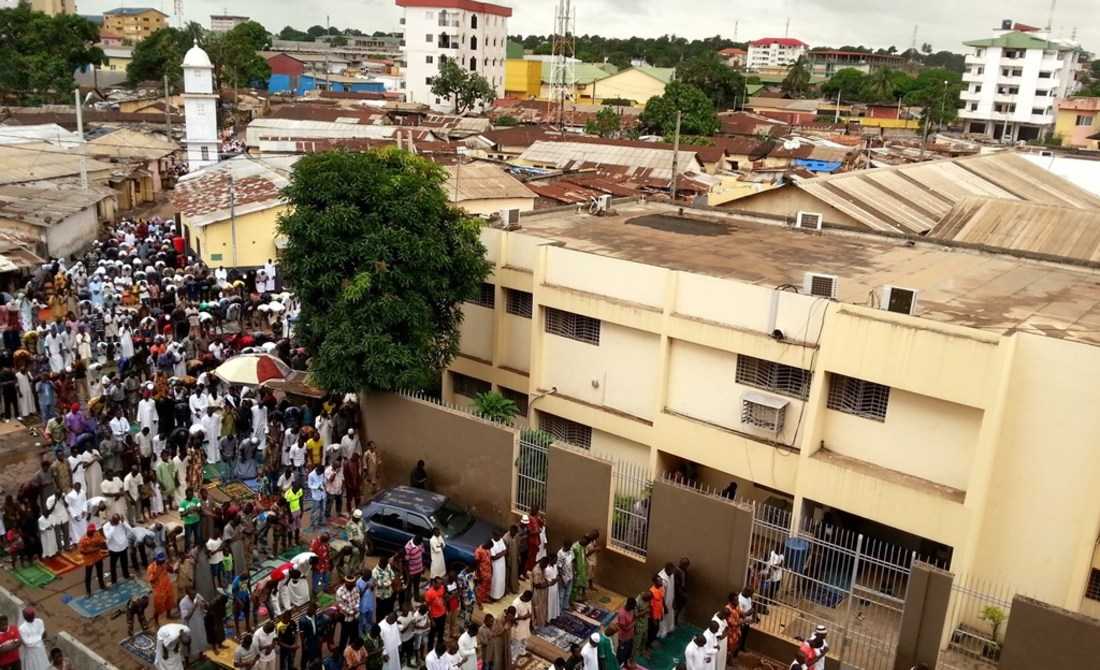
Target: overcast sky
x,y
878,23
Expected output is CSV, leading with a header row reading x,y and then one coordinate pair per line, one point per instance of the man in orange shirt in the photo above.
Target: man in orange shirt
x,y
656,608
92,549
434,598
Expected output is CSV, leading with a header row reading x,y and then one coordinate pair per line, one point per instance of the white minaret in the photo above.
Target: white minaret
x,y
200,106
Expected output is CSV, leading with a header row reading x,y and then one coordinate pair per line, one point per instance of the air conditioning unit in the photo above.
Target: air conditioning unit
x,y
820,285
809,220
760,410
509,217
898,299
600,205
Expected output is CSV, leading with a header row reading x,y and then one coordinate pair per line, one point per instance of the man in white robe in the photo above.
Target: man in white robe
x,y
721,619
590,653
147,412
77,503
32,633
698,655
467,649
212,428
391,641
173,640
498,552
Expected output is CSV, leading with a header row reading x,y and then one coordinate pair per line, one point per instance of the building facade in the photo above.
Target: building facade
x,y
54,7
697,344
223,23
827,62
1013,81
1078,122
473,34
200,104
134,23
775,52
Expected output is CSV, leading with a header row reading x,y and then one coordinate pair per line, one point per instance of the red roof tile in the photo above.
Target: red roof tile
x,y
781,41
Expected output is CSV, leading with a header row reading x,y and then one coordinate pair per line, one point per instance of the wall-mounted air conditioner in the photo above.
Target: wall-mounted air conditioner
x,y
898,299
821,285
509,217
760,410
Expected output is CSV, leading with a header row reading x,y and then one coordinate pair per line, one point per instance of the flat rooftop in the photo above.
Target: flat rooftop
x,y
998,293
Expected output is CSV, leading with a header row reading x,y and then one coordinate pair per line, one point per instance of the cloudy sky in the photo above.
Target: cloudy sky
x,y
878,23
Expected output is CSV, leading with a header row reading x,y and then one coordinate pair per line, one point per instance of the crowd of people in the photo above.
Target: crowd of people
x,y
112,357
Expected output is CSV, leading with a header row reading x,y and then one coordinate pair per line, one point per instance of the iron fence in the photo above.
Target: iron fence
x,y
532,468
630,515
977,616
819,574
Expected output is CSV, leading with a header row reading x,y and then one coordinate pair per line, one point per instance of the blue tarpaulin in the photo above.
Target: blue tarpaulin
x,y
817,166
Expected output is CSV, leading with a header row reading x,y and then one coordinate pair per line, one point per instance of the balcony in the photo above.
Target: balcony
x,y
973,77
971,59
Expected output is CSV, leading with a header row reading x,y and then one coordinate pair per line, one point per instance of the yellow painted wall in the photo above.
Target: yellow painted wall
x,y
1002,421
488,206
1073,135
116,64
256,234
522,78
628,84
476,331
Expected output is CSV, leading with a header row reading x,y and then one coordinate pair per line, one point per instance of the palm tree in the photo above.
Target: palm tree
x,y
798,79
880,85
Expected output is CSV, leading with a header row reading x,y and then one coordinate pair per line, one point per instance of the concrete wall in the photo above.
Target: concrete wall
x,y
468,459
923,620
578,495
1044,636
73,234
476,331
256,232
78,654
788,201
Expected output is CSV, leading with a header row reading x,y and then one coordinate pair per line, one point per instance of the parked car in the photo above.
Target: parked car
x,y
395,515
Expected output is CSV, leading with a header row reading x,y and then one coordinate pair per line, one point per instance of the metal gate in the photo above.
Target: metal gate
x,y
532,468
630,516
824,575
977,618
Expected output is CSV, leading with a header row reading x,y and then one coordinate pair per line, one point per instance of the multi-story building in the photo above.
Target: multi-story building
x,y
1078,122
1013,81
733,57
933,396
134,23
53,7
223,23
473,34
775,52
827,62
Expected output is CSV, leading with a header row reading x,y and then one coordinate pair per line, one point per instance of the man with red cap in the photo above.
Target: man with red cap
x,y
92,549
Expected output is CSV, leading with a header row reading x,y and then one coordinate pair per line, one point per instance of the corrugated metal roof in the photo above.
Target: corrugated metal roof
x,y
22,163
203,197
563,155
43,132
46,206
1066,232
126,143
914,198
483,181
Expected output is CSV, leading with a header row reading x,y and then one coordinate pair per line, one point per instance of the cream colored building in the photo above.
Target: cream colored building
x,y
484,189
134,23
963,430
54,7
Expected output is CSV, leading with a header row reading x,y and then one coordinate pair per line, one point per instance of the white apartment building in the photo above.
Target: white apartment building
x,y
223,23
1013,81
472,33
775,52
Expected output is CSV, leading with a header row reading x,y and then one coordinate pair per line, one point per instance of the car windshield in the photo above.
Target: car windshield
x,y
452,520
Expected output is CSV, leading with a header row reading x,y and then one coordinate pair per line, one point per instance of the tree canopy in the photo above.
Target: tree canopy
x,y
797,81
664,51
233,54
697,118
607,123
381,262
39,53
722,84
158,55
465,89
937,92
887,86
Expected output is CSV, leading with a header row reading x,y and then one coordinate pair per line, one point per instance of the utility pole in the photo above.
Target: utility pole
x,y
83,149
836,117
167,110
675,154
233,216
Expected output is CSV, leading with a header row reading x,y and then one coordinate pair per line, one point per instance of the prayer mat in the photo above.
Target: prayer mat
x,y
33,575
211,472
58,565
253,484
73,556
558,637
292,552
104,602
595,613
530,662
668,653
142,646
223,658
574,625
325,600
237,491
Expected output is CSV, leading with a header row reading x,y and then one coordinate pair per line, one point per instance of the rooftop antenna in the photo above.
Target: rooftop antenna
x,y
787,29
178,9
563,69
1050,17
735,30
913,45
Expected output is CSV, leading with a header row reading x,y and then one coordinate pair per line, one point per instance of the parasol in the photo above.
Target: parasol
x,y
252,369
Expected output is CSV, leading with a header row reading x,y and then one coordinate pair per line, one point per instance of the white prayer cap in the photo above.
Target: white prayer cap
x,y
594,638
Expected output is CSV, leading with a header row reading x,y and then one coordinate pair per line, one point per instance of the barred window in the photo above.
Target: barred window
x,y
573,326
856,396
469,386
517,397
486,296
565,430
1092,591
776,377
519,303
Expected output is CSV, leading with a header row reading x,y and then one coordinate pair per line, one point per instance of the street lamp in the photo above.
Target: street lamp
x,y
943,99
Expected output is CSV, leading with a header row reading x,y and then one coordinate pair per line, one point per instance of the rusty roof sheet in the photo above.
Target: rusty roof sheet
x,y
203,197
1065,232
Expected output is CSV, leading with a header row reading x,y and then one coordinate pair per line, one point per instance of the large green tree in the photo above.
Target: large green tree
x,y
849,83
697,112
721,83
158,55
39,53
381,262
235,55
465,89
937,92
797,82
606,123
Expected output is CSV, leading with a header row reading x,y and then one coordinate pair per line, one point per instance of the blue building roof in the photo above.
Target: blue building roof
x,y
133,10
817,165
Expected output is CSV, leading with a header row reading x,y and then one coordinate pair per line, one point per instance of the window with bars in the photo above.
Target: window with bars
x,y
485,297
574,326
1092,591
856,396
517,397
564,430
469,386
520,303
775,377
